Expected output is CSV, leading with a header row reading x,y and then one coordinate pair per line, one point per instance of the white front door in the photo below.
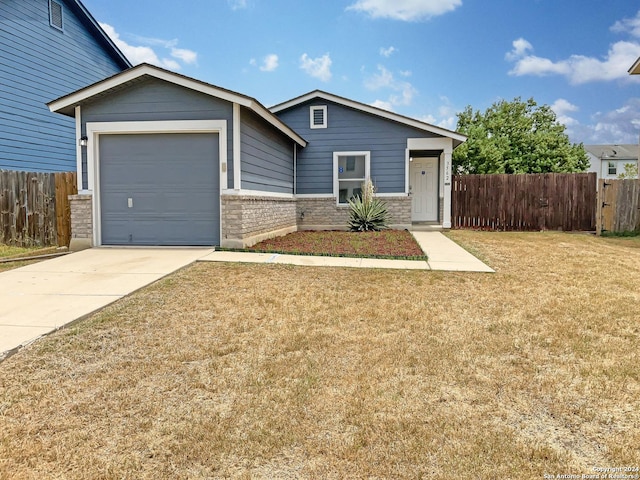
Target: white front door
x,y
423,185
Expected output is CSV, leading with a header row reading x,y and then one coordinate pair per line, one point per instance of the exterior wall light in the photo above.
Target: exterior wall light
x,y
84,141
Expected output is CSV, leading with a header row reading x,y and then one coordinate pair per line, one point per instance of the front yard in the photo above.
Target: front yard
x,y
272,371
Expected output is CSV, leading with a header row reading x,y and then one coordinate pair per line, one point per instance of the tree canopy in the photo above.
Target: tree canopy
x,y
516,137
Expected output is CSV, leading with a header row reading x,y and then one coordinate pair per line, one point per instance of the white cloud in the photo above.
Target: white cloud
x,y
269,63
579,69
628,25
319,67
562,108
237,4
520,49
402,91
405,10
447,115
383,105
146,54
387,52
187,56
621,125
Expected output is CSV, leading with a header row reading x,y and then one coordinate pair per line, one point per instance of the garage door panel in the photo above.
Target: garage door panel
x,y
172,181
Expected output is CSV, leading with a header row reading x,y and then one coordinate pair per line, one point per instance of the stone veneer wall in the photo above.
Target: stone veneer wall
x,y
81,221
324,214
247,220
441,210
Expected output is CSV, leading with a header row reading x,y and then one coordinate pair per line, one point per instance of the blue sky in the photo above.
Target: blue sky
x,y
427,59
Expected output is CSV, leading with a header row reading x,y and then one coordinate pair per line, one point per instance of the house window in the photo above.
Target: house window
x,y
318,117
612,168
350,169
55,14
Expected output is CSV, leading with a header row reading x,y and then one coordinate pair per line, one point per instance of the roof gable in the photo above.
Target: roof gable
x,y
67,103
458,138
635,68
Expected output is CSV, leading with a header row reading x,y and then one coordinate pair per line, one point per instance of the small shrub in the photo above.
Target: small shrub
x,y
367,213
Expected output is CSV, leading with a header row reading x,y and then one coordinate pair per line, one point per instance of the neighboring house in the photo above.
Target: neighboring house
x,y
608,161
47,48
170,160
635,68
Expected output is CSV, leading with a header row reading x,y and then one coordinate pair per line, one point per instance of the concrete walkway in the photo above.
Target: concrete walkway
x,y
443,253
42,297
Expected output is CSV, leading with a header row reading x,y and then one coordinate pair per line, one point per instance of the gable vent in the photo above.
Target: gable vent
x,y
318,117
55,14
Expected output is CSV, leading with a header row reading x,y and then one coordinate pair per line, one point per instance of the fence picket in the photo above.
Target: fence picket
x,y
546,201
34,208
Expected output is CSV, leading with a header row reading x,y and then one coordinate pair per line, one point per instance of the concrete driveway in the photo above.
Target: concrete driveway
x,y
42,297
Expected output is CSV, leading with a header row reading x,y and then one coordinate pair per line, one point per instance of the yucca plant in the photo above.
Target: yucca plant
x,y
366,212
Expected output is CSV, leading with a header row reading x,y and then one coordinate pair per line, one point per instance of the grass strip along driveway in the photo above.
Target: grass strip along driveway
x,y
275,371
9,252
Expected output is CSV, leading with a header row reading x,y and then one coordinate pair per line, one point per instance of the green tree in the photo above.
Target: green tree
x,y
516,137
630,171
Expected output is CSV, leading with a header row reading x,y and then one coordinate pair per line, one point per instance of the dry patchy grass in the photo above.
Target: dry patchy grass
x,y
270,371
7,251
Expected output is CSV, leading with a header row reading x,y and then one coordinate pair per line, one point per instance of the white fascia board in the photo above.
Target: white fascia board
x,y
141,70
372,110
276,122
136,72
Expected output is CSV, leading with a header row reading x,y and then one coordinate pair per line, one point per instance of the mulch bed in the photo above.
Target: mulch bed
x,y
383,244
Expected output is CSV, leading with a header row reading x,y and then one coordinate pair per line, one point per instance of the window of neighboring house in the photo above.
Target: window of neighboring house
x,y
350,169
55,14
612,168
318,117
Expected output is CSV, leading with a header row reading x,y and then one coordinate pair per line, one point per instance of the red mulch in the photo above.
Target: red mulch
x,y
386,243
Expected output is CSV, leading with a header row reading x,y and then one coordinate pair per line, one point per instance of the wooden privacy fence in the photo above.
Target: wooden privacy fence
x,y
618,206
545,201
34,208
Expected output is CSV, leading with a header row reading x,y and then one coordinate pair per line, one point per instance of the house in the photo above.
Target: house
x,y
608,161
171,160
635,68
47,48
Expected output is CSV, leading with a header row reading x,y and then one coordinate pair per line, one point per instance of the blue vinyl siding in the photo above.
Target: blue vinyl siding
x,y
39,63
349,130
267,156
150,99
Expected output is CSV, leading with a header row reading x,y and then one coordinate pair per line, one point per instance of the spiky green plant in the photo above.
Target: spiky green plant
x,y
366,212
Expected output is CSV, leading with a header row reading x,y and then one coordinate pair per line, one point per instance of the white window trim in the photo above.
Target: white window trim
x,y
96,129
61,28
336,183
612,165
312,109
